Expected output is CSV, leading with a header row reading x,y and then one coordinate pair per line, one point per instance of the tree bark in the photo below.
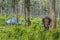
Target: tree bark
x,y
27,11
52,14
24,10
58,7
16,7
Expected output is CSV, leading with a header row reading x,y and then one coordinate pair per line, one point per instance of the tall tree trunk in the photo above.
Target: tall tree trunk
x,y
28,14
58,7
16,7
27,10
17,14
52,13
24,6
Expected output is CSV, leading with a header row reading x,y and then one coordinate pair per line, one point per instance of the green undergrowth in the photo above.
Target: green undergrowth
x,y
35,31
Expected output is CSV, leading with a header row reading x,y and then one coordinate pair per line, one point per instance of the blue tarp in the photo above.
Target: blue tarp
x,y
13,20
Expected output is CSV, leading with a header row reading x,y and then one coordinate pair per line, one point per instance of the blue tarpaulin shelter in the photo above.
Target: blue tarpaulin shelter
x,y
13,20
